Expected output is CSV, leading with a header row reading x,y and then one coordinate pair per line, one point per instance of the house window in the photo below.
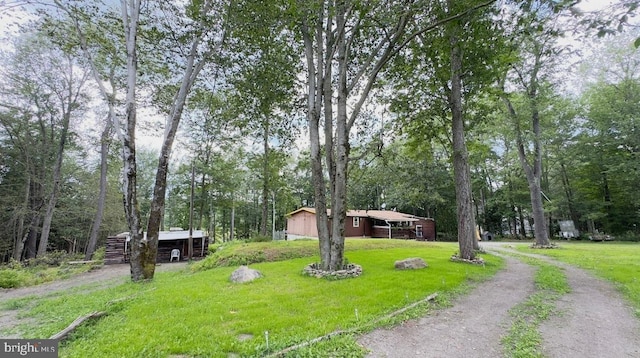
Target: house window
x,y
418,230
356,221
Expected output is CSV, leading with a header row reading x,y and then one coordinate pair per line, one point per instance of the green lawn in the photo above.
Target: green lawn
x,y
202,314
616,262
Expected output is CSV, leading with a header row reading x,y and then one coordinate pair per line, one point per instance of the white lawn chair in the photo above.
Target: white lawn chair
x,y
175,253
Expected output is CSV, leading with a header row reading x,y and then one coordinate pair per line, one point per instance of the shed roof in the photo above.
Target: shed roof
x,y
172,235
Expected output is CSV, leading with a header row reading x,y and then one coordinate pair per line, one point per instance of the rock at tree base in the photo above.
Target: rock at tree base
x,y
245,274
349,271
410,264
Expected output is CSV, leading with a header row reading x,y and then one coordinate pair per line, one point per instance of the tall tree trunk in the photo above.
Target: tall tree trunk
x,y
314,105
265,182
532,166
32,237
573,214
102,195
521,220
57,176
204,195
191,204
194,63
233,221
338,182
466,220
112,120
36,202
20,237
212,225
138,243
327,47
533,175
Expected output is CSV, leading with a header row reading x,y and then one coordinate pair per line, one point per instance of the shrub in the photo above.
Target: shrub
x,y
628,236
241,253
98,255
53,258
260,238
14,264
12,278
445,236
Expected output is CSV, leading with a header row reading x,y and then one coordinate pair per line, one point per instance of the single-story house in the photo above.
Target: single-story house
x,y
365,223
118,249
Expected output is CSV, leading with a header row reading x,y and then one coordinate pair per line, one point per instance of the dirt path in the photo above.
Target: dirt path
x,y
103,277
594,320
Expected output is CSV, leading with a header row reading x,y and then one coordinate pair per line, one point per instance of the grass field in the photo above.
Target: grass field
x,y
200,313
616,262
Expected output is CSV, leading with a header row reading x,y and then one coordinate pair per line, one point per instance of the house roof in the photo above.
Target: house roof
x,y
386,215
172,235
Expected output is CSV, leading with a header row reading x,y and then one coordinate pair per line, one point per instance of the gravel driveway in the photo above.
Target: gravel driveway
x,y
593,320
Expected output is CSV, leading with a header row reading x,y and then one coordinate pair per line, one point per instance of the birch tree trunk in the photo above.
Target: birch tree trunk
x,y
140,251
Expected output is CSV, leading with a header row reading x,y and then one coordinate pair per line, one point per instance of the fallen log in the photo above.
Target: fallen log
x,y
62,335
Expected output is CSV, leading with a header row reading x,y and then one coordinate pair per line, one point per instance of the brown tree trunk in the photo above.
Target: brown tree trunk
x,y
466,220
573,214
265,182
521,219
194,62
97,221
32,238
20,236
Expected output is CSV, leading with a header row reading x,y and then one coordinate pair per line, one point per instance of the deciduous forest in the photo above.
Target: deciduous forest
x,y
488,116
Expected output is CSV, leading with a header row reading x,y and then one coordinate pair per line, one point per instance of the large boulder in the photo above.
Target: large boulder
x,y
410,264
245,274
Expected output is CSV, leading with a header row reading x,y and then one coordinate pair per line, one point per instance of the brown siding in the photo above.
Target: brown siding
x,y
428,229
380,231
165,247
351,231
115,249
